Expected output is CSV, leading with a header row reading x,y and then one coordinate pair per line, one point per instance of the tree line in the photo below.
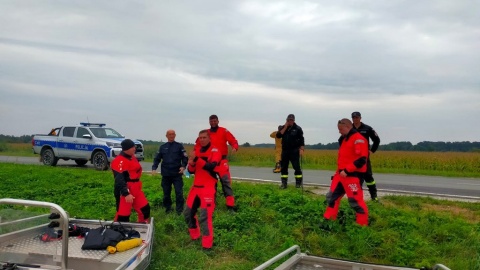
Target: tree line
x,y
425,146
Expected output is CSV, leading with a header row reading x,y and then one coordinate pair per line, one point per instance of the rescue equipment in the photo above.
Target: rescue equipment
x,y
125,245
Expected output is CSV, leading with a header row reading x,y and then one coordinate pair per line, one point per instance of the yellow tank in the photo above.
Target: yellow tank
x,y
125,245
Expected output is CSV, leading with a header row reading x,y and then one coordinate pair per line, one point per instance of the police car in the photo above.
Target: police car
x,y
92,142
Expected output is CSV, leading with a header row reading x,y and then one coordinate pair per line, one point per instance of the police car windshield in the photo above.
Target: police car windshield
x,y
105,133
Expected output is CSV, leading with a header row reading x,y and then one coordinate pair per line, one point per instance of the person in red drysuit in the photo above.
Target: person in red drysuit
x,y
128,187
219,137
351,164
202,162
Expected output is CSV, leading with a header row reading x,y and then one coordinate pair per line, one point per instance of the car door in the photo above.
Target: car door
x,y
83,145
66,143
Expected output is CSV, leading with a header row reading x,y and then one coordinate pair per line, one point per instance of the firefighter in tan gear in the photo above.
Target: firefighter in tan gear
x,y
278,150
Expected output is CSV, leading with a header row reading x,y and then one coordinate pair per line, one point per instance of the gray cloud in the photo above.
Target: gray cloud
x,y
144,67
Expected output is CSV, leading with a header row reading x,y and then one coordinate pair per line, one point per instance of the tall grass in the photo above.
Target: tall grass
x,y
404,231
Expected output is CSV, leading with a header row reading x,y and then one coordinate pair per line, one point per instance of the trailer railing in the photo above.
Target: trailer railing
x,y
63,219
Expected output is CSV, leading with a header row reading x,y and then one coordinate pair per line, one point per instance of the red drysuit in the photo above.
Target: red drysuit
x,y
127,171
219,137
202,194
352,159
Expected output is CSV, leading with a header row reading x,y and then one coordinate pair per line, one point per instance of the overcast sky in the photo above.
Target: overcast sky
x,y
412,68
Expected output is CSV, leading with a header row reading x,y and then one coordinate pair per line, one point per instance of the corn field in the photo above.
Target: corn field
x,y
460,164
429,163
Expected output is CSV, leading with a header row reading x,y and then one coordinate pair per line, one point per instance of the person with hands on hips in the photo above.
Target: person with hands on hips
x,y
293,146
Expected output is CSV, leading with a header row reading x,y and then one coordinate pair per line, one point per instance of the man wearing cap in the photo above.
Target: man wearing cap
x,y
368,133
293,145
278,150
128,187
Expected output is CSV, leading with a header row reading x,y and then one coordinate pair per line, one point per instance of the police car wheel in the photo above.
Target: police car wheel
x,y
48,157
100,161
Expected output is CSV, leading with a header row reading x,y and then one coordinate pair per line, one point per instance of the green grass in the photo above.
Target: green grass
x,y
405,231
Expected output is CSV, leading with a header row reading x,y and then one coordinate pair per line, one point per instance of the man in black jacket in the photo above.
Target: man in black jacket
x,y
293,145
368,133
174,159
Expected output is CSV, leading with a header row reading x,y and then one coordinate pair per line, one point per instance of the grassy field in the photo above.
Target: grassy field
x,y
404,231
454,164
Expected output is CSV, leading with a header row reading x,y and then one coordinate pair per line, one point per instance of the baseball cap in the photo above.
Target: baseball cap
x,y
356,114
291,116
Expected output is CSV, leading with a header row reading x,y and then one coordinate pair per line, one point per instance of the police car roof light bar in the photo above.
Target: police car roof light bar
x,y
92,124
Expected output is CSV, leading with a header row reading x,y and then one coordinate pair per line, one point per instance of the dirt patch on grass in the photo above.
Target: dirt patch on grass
x,y
466,214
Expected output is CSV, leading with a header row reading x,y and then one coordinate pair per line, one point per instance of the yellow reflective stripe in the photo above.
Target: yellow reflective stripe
x,y
298,176
370,184
284,176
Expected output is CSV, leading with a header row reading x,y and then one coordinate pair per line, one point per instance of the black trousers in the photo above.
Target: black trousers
x,y
292,156
177,182
368,178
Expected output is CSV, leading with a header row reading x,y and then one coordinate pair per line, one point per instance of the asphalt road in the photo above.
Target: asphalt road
x,y
468,188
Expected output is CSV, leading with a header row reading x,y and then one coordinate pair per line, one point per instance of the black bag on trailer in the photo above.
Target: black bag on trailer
x,y
101,238
127,231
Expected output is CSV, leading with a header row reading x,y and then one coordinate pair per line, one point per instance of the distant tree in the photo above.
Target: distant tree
x,y
14,139
429,146
397,146
264,145
328,146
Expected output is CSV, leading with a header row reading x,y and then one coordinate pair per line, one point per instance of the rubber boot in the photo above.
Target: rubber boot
x,y
284,183
372,189
298,181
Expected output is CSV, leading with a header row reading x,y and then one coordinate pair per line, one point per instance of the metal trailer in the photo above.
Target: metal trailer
x,y
21,247
302,261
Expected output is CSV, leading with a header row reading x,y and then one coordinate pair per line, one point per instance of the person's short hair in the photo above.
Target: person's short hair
x,y
291,116
204,131
213,116
354,114
345,121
